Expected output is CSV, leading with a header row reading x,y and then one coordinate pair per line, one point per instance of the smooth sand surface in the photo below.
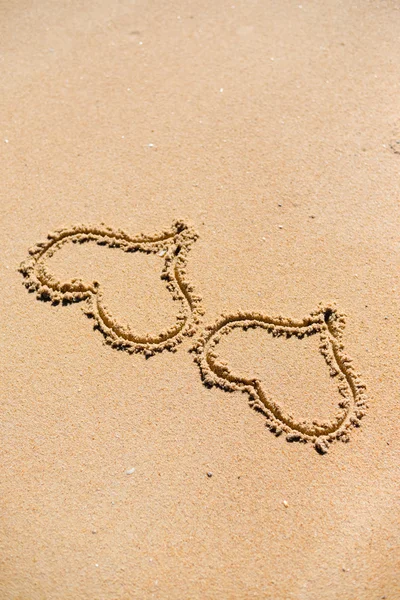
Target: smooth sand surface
x,y
272,129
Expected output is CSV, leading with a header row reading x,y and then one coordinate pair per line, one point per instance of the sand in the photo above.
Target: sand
x,y
199,311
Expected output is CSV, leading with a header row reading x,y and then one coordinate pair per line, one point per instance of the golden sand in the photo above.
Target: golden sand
x,y
256,147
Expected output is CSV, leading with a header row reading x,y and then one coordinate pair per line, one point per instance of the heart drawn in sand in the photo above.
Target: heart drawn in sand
x,y
326,323
172,246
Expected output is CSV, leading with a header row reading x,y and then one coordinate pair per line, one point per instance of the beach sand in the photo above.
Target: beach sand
x,y
250,153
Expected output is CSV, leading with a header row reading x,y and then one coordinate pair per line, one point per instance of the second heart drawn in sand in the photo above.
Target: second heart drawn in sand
x,y
326,323
173,247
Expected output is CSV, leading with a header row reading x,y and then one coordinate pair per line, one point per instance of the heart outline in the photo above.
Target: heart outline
x,y
325,321
173,244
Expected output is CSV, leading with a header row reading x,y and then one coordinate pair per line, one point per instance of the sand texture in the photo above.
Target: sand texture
x,y
199,219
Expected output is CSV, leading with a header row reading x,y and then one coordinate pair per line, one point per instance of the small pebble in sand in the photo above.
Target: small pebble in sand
x,y
280,226
162,252
130,471
209,474
285,503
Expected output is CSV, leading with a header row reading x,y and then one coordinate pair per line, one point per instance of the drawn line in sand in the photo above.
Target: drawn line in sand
x,y
325,322
173,246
